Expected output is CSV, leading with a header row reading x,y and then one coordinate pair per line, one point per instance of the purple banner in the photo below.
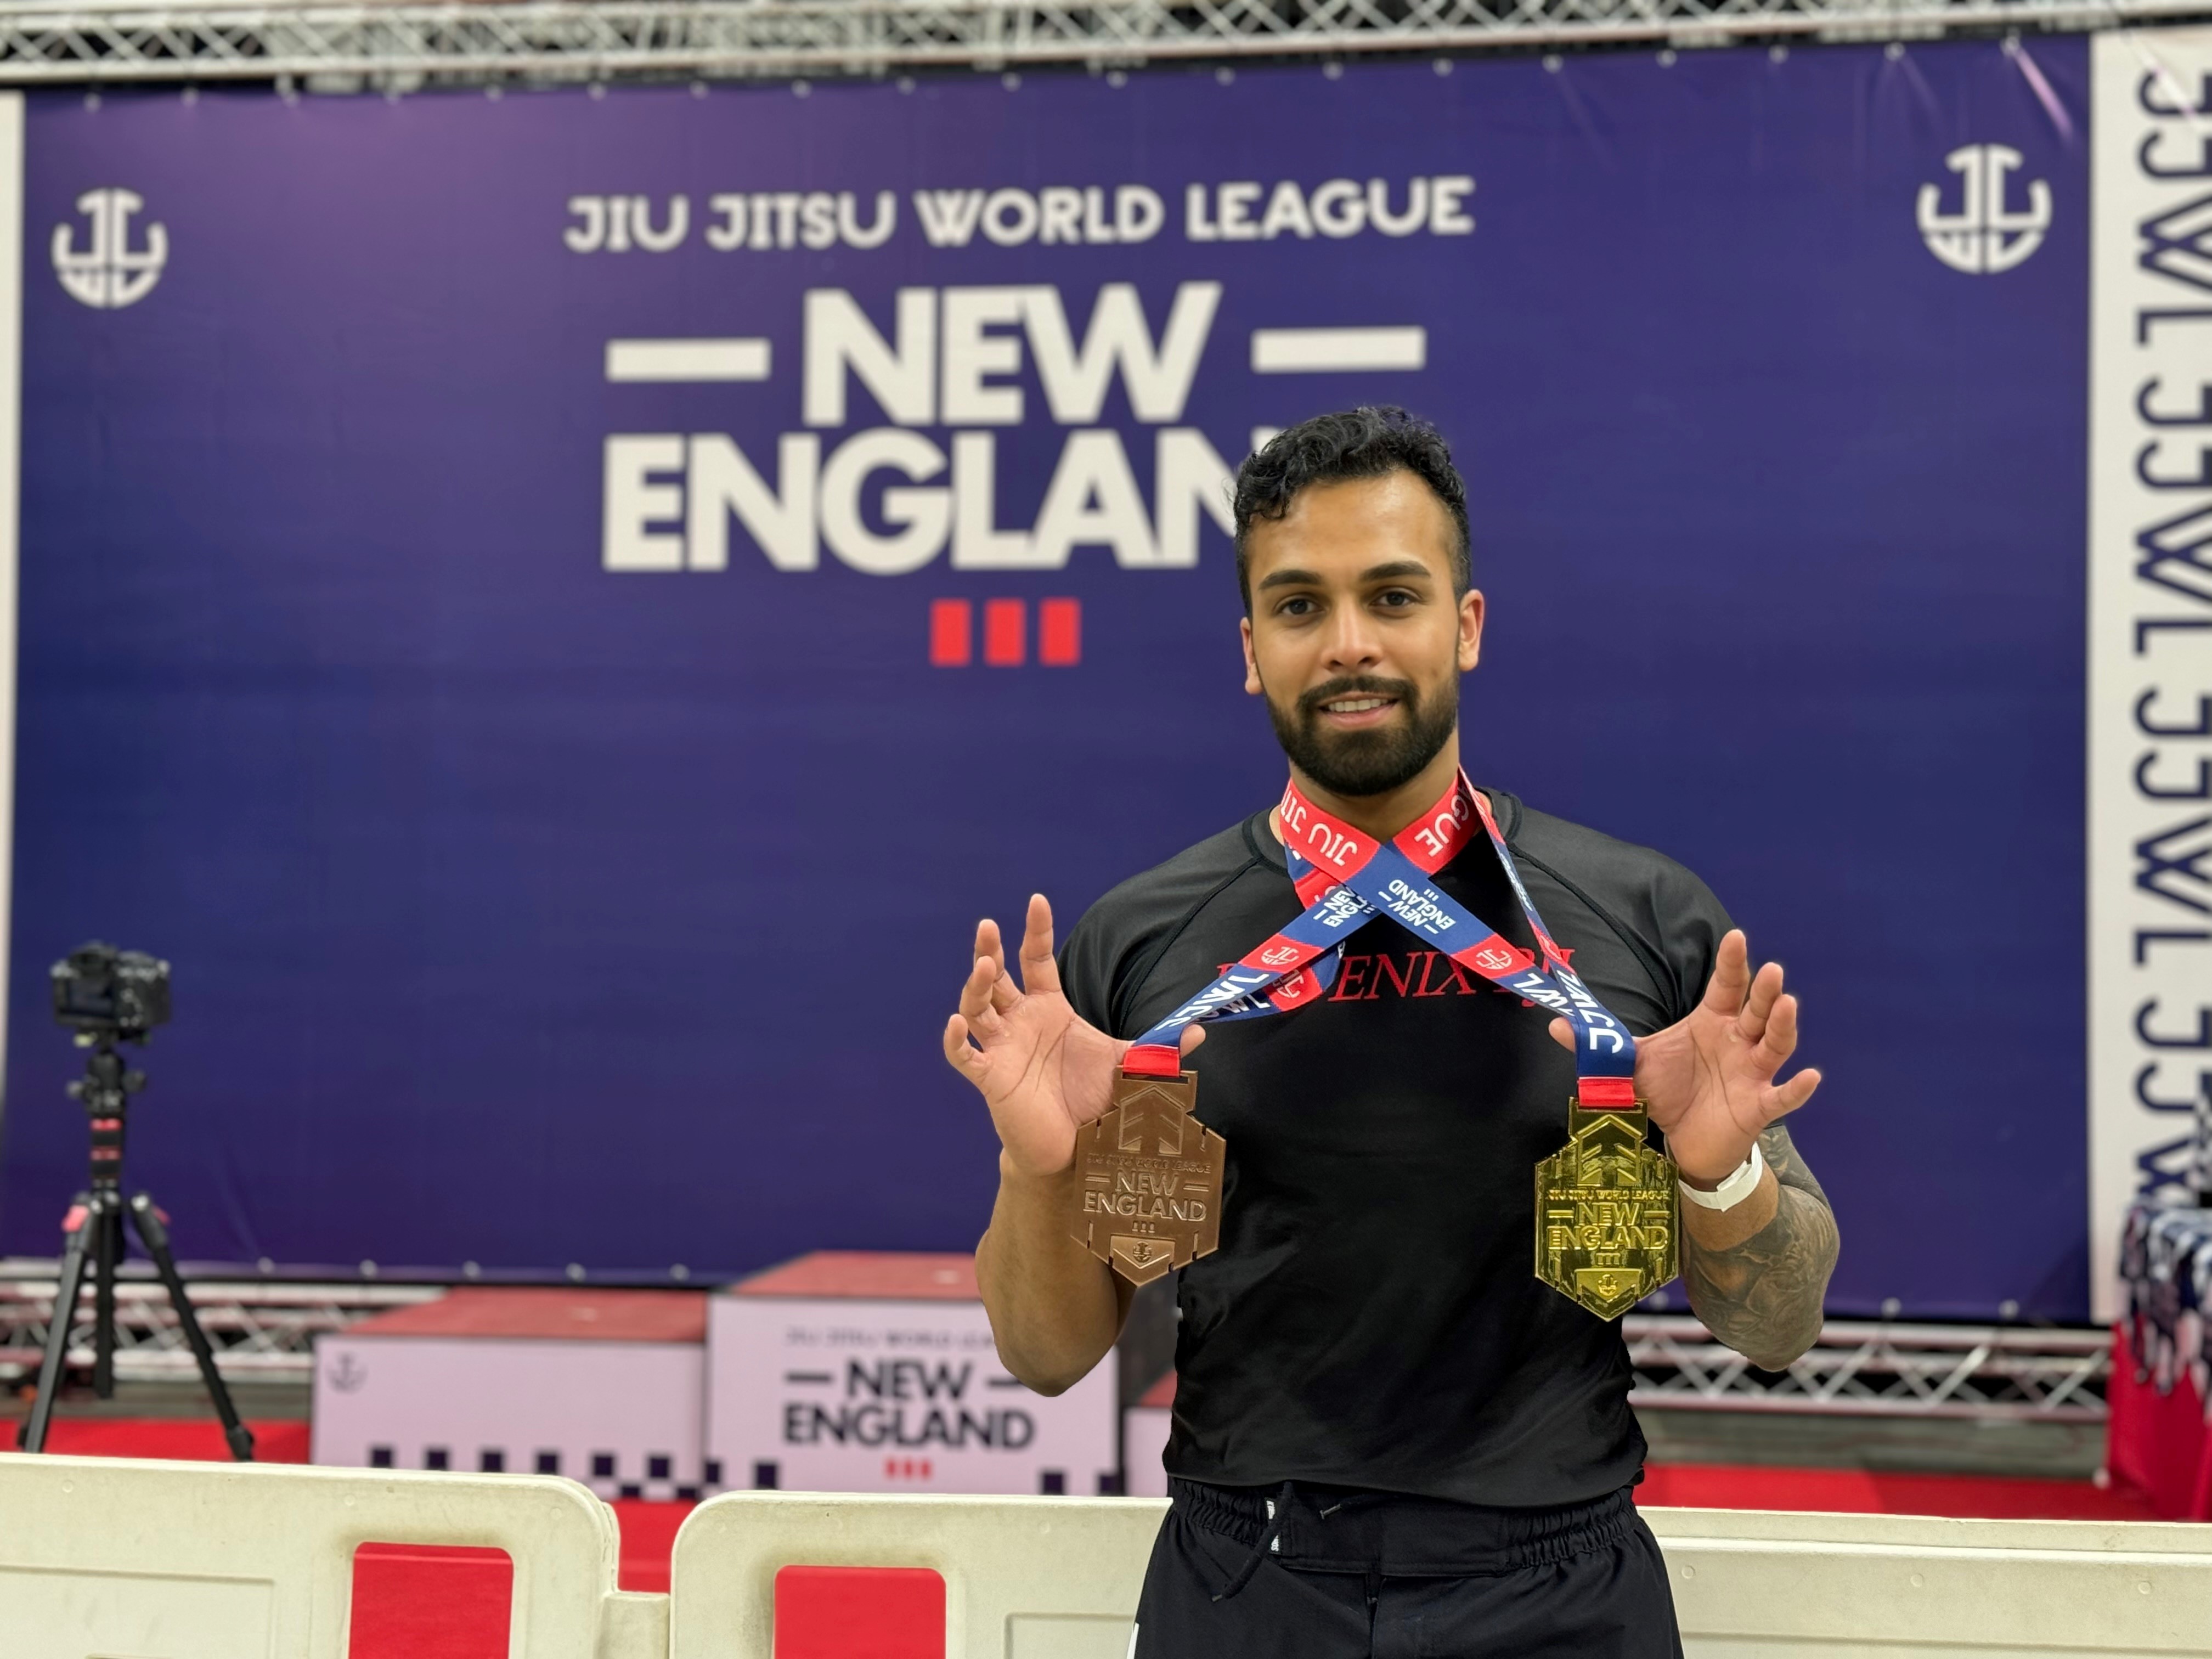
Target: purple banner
x,y
556,613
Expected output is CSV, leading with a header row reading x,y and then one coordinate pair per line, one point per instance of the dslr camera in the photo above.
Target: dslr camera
x,y
102,992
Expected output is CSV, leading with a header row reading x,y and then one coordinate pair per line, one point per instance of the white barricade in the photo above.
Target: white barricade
x,y
1025,1577
1058,1579
1756,1582
101,1557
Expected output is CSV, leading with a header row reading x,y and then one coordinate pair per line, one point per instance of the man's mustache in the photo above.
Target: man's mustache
x,y
1350,686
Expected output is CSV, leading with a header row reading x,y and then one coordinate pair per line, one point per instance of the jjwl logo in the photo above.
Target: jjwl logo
x,y
109,272
1986,235
348,1376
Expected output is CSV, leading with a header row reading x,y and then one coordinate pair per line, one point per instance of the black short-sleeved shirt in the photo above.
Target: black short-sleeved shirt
x,y
1372,1318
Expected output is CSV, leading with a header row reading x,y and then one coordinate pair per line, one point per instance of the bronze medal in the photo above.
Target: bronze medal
x,y
1150,1176
1607,1212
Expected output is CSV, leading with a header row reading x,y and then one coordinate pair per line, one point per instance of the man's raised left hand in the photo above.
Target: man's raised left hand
x,y
1708,1078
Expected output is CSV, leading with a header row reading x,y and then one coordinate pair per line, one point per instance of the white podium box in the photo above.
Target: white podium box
x,y
858,1371
1145,1440
607,1386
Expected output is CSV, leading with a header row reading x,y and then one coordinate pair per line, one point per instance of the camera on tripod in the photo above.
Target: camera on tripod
x,y
104,996
100,992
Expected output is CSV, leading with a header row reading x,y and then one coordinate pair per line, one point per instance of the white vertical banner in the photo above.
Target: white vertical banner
x,y
2150,626
11,391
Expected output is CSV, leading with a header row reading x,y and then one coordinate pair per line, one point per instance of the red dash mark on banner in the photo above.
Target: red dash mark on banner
x,y
1005,633
951,630
1060,632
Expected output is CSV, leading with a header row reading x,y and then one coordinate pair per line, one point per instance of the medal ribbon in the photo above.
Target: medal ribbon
x,y
1347,878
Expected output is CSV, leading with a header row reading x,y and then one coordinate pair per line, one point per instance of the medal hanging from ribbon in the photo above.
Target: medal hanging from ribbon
x,y
1151,1175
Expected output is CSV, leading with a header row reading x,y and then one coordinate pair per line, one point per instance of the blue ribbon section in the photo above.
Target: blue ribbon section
x,y
1389,883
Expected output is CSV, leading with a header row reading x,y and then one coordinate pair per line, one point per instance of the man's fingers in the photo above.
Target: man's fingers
x,y
988,943
976,993
1004,993
1790,1096
1731,980
1759,1007
968,1062
991,951
1778,1041
1040,973
1563,1033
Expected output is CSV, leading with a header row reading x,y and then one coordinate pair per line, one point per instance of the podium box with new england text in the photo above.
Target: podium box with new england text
x,y
861,1371
604,1386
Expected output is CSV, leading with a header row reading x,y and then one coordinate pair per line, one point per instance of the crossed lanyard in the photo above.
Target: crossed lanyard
x,y
1346,878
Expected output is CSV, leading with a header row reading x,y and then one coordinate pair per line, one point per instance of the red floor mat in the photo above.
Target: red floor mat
x,y
274,1441
1731,1487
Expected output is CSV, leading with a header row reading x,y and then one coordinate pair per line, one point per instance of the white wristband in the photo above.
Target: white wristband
x,y
1731,1192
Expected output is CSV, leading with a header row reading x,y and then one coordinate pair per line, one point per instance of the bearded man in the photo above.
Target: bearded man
x,y
1389,1438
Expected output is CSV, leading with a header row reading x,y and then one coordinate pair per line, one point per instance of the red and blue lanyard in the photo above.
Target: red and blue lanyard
x,y
1346,878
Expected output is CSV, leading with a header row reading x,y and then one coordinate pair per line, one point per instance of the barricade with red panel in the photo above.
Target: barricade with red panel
x,y
788,1575
1789,1586
213,1561
109,1557
807,1576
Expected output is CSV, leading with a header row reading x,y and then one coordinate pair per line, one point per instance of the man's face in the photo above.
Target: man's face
x,y
1355,638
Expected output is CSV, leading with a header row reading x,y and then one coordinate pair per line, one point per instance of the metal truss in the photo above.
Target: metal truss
x,y
264,1332
402,45
1997,1372
261,1332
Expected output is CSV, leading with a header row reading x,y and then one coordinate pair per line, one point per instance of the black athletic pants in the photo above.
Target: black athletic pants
x,y
1318,1572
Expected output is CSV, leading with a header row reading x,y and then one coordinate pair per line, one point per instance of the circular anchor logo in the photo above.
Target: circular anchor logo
x,y
108,272
1988,234
348,1375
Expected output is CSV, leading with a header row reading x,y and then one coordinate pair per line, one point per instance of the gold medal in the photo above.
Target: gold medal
x,y
1607,1212
1149,1174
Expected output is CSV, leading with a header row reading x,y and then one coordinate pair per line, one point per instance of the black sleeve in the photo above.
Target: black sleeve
x,y
1087,970
1691,923
1104,963
1667,918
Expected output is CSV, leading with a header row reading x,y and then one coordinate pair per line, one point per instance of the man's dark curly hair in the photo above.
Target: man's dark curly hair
x,y
1367,443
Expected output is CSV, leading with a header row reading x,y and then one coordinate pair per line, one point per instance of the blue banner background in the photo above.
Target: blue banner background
x,y
528,914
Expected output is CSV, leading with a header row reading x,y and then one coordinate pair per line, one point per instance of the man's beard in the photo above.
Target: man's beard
x,y
1372,761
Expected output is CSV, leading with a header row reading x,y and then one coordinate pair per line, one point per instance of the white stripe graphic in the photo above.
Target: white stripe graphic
x,y
11,355
687,360
2149,659
1336,350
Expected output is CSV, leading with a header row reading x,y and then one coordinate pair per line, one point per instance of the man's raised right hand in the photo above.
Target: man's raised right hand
x,y
1043,1071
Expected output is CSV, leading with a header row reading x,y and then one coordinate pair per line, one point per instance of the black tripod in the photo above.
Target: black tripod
x,y
94,1227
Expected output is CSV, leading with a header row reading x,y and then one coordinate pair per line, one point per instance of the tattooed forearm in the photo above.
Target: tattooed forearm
x,y
1762,1295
